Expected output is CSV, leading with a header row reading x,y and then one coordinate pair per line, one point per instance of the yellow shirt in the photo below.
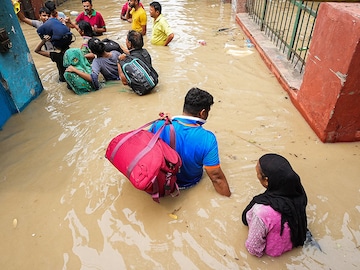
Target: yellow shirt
x,y
139,19
160,31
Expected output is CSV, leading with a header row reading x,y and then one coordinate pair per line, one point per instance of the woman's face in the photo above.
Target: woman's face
x,y
260,175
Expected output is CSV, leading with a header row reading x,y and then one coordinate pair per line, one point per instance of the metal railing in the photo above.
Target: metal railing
x,y
288,23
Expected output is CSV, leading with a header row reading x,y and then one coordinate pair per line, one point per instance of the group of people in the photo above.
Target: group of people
x,y
54,29
276,218
133,11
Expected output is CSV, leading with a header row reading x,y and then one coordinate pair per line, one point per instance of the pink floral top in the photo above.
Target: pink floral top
x,y
264,232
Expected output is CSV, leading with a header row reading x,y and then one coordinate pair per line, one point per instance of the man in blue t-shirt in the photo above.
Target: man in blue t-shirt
x,y
196,146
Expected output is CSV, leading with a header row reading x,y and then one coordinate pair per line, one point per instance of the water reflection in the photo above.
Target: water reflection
x,y
93,257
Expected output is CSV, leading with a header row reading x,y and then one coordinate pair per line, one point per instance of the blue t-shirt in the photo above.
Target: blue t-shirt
x,y
196,146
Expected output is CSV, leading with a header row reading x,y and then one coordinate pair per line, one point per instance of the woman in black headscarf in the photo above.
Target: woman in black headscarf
x,y
276,218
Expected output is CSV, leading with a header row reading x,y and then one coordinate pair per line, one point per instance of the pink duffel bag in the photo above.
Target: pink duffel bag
x,y
146,160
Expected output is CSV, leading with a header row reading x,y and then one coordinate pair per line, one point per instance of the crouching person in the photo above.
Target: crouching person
x,y
276,218
135,66
197,147
75,59
105,63
60,37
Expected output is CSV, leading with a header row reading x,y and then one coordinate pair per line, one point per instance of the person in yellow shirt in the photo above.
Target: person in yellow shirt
x,y
162,33
139,18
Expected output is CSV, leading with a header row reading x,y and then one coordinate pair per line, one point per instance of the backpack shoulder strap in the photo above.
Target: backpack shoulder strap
x,y
172,134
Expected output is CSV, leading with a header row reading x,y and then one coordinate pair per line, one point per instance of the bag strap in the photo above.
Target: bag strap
x,y
176,191
172,136
149,146
155,195
121,142
155,192
130,58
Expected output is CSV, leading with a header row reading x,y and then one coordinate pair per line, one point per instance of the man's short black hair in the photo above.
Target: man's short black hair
x,y
90,1
136,39
156,5
50,5
197,100
44,9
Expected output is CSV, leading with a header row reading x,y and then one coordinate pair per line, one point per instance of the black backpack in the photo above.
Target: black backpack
x,y
140,77
111,45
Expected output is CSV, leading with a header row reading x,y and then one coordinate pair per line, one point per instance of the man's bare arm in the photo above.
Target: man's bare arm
x,y
219,180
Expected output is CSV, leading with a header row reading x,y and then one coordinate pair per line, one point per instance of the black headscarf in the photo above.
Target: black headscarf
x,y
284,194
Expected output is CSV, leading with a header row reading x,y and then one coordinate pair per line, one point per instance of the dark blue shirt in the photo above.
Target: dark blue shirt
x,y
60,34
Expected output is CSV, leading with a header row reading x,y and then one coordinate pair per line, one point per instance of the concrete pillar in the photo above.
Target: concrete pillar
x,y
239,6
329,97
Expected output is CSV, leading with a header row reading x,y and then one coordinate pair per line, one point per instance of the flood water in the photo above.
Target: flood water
x,y
64,206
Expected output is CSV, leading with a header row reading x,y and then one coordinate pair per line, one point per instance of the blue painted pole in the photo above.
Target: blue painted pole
x,y
20,82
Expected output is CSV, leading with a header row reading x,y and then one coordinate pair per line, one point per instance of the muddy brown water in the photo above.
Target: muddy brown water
x,y
64,206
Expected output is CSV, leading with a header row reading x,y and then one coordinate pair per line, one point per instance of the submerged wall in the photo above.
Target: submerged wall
x,y
20,82
239,6
329,96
